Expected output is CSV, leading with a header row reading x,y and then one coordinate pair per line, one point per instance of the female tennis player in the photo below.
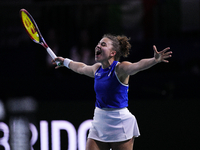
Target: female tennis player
x,y
113,126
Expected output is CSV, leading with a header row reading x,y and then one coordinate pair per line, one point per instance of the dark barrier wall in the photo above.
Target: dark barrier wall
x,y
164,125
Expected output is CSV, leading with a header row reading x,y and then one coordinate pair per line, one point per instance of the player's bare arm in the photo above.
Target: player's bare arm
x,y
128,68
78,67
82,68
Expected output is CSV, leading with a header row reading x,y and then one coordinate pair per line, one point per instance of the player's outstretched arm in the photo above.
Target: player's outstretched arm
x,y
77,67
132,68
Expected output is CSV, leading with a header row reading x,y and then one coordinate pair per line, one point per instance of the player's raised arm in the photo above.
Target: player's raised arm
x,y
132,68
77,67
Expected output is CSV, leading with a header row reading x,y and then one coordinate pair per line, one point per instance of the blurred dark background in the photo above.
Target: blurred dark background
x,y
165,98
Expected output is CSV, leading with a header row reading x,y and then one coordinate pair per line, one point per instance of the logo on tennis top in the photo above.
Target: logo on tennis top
x,y
98,74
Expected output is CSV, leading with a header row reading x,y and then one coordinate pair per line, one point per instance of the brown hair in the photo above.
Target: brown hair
x,y
120,44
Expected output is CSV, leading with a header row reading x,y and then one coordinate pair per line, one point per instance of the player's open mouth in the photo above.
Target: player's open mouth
x,y
98,51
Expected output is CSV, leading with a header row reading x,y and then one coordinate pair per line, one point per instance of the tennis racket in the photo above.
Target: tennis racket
x,y
34,32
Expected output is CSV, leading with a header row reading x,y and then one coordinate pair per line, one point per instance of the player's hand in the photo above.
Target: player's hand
x,y
162,55
60,60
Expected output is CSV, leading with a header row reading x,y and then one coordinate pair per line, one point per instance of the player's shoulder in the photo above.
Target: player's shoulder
x,y
122,64
96,66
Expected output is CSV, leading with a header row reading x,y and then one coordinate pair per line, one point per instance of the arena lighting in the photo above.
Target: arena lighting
x,y
74,139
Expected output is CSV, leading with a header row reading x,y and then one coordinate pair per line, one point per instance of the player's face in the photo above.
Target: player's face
x,y
103,50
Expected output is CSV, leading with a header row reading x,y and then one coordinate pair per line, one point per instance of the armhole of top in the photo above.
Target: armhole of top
x,y
118,78
97,70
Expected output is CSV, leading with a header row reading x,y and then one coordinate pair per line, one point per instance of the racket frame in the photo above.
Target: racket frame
x,y
41,39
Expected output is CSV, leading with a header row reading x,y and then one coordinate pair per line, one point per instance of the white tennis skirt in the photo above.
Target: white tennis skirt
x,y
113,125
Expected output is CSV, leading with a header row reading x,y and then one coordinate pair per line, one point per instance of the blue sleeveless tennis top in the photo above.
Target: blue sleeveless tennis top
x,y
110,92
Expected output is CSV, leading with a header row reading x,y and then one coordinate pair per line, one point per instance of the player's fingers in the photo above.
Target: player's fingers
x,y
166,49
166,61
57,67
165,57
53,61
155,49
57,59
168,53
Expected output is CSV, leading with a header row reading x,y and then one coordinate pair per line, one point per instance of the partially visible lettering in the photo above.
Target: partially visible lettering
x,y
56,126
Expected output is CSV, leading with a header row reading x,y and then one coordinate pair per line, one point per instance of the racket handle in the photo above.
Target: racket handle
x,y
52,54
